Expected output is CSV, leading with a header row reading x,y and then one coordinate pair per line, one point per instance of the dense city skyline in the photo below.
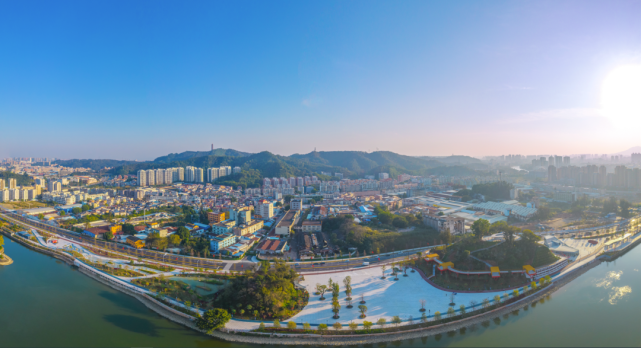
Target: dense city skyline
x,y
147,79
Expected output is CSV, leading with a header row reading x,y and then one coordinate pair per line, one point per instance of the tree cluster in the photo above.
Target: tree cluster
x,y
270,291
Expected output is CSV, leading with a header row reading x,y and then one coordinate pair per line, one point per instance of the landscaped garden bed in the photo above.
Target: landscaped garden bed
x,y
178,290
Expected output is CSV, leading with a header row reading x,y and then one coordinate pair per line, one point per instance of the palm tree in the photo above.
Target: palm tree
x,y
362,309
336,307
383,269
321,290
437,316
381,322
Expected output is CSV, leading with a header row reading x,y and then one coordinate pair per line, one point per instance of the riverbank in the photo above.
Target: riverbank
x,y
414,333
302,339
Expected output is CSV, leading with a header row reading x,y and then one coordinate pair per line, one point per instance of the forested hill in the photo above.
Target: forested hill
x,y
21,180
254,167
453,160
94,164
353,164
192,154
364,162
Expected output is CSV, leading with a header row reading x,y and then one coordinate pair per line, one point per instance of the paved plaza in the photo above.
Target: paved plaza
x,y
385,297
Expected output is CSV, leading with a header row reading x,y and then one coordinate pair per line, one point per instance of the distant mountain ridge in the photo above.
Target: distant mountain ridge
x,y
191,154
353,164
630,151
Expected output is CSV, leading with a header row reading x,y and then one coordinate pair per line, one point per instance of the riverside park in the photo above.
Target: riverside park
x,y
426,292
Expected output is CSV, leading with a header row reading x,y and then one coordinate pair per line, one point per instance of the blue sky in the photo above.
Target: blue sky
x,y
140,79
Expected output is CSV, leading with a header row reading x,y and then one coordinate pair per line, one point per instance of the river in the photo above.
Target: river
x,y
46,303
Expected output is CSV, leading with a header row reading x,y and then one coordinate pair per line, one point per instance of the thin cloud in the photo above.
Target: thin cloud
x,y
557,114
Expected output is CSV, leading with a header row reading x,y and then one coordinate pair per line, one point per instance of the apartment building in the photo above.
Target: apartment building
x,y
265,209
142,178
296,204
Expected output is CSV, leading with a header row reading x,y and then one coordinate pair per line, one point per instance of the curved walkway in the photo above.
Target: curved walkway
x,y
6,260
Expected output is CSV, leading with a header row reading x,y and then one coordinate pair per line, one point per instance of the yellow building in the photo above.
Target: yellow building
x,y
135,242
217,217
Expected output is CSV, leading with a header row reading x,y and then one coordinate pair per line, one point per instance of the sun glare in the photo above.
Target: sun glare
x,y
621,95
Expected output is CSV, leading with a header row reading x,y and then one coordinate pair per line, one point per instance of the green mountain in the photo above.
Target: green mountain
x,y
453,160
255,167
94,164
363,162
21,180
191,154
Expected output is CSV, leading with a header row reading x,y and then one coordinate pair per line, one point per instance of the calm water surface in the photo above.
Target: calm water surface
x,y
44,302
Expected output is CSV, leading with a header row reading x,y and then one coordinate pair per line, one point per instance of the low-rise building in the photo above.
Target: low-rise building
x,y
135,242
272,246
223,227
311,226
441,223
285,224
250,228
222,241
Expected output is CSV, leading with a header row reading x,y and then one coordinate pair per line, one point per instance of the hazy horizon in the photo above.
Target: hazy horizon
x,y
120,80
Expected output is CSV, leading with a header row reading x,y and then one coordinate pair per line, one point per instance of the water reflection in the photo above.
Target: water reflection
x,y
616,292
133,324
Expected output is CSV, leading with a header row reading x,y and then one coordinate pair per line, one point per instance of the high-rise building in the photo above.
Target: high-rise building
x,y
300,181
12,183
636,158
266,209
160,176
4,195
169,176
2,185
199,175
142,178
236,170
190,174
292,181
225,170
558,161
551,173
383,176
181,174
566,161
54,186
151,177
212,174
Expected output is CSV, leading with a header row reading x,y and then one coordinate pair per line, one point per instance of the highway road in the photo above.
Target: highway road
x,y
130,252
